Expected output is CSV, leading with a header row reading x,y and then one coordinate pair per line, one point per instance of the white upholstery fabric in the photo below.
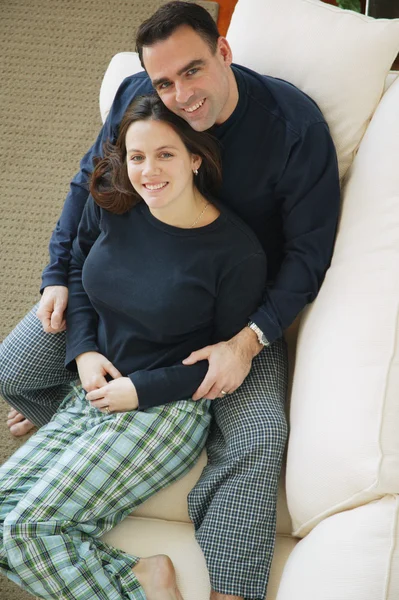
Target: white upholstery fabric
x,y
171,503
344,441
121,66
350,556
339,58
145,537
392,76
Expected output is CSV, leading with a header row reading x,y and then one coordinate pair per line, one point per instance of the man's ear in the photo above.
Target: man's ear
x,y
223,47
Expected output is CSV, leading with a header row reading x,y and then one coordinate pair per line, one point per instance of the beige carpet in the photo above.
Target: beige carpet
x,y
53,54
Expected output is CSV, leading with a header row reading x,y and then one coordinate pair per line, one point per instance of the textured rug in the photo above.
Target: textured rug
x,y
53,57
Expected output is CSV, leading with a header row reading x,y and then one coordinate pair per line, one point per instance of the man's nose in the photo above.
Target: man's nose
x,y
183,93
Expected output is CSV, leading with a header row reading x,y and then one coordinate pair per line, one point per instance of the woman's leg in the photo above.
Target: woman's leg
x,y
51,537
233,505
33,379
28,465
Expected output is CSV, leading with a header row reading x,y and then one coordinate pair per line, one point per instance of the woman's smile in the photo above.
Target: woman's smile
x,y
154,187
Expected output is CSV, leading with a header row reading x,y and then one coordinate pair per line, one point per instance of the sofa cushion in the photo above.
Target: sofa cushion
x,y
344,443
340,58
350,556
171,503
145,537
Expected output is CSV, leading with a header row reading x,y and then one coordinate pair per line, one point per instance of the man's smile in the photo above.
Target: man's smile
x,y
194,107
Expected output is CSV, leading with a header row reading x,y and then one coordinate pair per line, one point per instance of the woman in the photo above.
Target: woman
x,y
157,270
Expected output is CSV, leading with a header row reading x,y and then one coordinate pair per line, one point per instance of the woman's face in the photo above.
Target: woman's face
x,y
159,166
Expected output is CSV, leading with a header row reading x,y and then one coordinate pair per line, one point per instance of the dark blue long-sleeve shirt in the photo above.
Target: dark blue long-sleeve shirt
x,y
146,294
280,176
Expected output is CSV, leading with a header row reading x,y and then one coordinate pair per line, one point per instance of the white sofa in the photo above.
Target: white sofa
x,y
339,540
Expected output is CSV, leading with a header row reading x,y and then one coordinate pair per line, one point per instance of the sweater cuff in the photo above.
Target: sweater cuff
x,y
269,327
53,279
73,353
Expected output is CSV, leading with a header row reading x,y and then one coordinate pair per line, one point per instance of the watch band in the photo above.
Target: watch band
x,y
262,339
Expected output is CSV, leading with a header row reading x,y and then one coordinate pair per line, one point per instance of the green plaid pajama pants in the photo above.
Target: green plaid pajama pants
x,y
79,476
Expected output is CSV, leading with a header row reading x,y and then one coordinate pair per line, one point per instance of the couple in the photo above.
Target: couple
x,y
171,276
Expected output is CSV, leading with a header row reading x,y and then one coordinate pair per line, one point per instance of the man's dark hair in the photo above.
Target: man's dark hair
x,y
169,17
110,185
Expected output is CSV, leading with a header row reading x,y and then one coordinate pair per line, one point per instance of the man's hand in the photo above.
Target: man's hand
x,y
92,368
118,396
229,364
52,308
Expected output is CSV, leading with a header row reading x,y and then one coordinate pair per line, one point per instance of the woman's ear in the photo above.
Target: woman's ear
x,y
196,162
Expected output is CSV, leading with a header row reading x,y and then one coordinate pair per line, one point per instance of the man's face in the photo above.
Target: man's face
x,y
190,80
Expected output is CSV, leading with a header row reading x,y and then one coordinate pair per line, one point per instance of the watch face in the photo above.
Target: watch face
x,y
265,341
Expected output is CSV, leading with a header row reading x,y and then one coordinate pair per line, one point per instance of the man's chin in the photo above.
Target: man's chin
x,y
200,124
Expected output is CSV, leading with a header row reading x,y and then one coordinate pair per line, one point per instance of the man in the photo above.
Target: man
x,y
280,175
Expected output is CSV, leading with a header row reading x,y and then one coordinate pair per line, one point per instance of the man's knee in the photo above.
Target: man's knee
x,y
10,378
264,439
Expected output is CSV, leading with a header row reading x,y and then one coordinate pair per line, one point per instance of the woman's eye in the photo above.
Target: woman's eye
x,y
136,158
166,155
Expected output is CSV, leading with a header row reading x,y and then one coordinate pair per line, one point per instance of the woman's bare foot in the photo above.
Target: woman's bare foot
x,y
17,424
157,577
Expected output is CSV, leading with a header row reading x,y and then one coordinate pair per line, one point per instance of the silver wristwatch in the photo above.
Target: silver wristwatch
x,y
262,339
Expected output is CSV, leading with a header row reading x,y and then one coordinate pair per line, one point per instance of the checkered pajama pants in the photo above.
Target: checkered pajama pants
x,y
233,506
79,476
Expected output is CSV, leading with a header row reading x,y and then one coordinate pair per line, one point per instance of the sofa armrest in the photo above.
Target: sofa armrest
x,y
121,66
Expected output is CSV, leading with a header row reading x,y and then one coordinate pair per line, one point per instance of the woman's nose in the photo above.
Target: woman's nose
x,y
151,168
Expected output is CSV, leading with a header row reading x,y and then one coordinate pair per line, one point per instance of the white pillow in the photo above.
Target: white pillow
x,y
344,443
339,58
350,556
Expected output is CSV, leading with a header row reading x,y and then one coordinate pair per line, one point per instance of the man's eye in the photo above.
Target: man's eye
x,y
164,85
192,71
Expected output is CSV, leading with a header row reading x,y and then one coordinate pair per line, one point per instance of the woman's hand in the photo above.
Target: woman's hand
x,y
117,396
92,368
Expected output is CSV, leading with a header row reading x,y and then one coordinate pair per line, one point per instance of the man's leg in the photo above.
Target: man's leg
x,y
33,379
233,506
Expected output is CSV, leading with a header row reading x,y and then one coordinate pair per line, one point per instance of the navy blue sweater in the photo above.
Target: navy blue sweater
x,y
280,176
146,294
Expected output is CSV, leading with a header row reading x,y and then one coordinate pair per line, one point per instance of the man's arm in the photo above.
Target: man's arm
x,y
55,276
56,272
310,200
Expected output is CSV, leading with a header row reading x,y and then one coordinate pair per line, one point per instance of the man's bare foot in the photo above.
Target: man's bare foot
x,y
17,424
157,577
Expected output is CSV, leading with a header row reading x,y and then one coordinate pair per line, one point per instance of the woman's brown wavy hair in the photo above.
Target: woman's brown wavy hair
x,y
110,185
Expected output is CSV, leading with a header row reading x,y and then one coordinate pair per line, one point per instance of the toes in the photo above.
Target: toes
x,y
15,416
21,428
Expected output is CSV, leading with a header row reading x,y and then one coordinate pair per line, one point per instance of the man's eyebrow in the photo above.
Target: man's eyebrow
x,y
198,62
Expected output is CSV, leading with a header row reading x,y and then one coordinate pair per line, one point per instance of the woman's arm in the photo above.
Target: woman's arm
x,y
81,317
240,292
